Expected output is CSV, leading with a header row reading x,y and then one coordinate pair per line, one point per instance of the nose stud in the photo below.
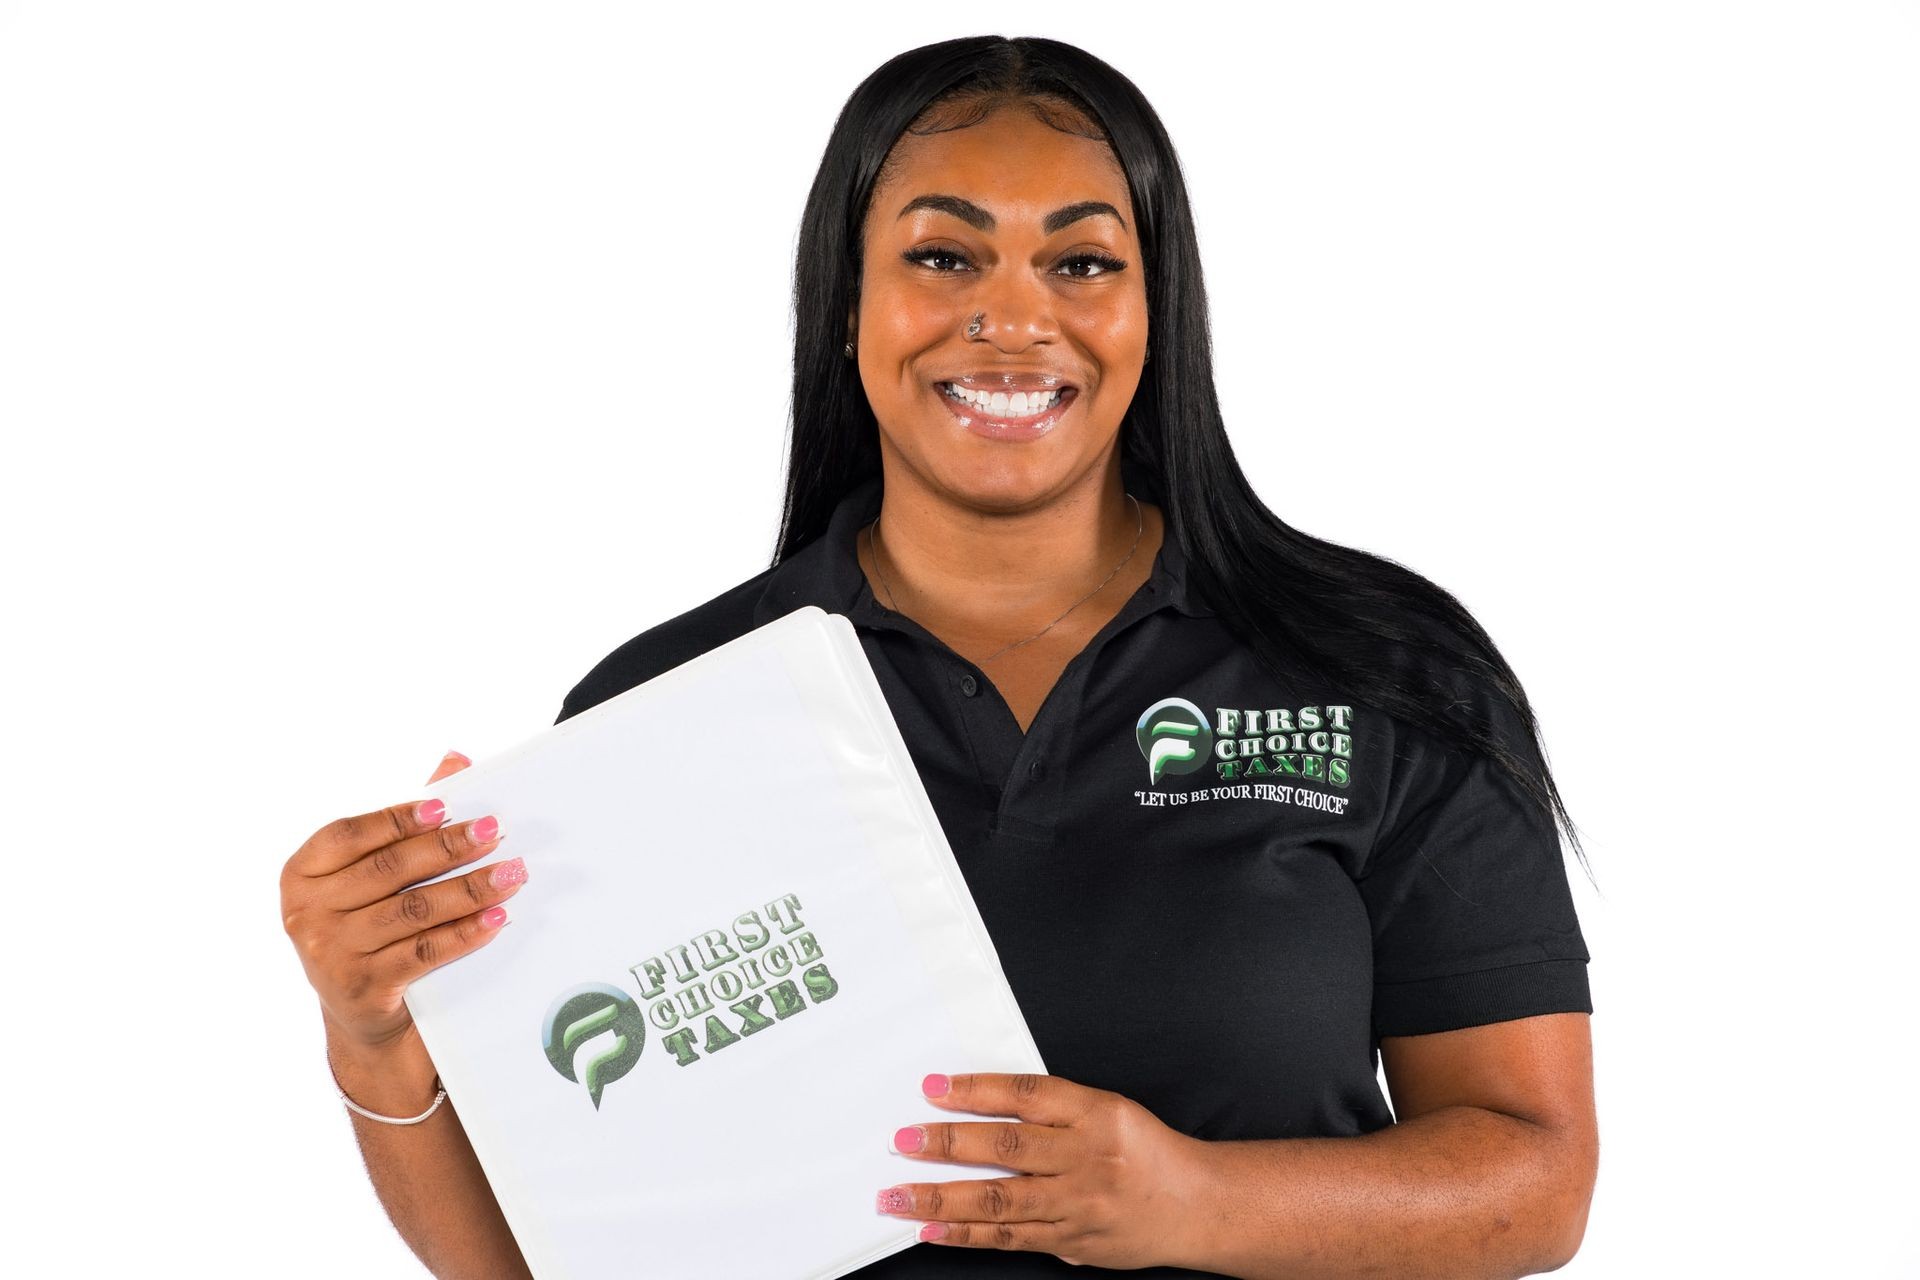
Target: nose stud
x,y
973,325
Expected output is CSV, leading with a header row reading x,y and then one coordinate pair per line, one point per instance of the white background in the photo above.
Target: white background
x,y
368,371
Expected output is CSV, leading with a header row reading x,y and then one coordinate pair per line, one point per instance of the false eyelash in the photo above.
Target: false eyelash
x,y
1105,261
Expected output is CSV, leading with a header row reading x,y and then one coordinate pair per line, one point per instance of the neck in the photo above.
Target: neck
x,y
1005,565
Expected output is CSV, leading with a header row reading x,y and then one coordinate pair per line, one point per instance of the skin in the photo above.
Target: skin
x,y
1490,1168
985,542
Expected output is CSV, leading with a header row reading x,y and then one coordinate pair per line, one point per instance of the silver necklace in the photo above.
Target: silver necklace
x,y
1139,526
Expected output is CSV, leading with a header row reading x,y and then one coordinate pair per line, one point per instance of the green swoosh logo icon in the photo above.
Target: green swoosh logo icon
x,y
1175,738
587,1013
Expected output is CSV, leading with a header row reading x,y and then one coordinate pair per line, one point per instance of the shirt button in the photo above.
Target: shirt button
x,y
969,686
1036,770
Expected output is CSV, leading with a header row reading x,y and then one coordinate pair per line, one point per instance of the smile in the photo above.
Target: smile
x,y
998,415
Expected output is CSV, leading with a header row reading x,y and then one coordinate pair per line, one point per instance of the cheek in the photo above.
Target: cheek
x,y
904,322
1116,329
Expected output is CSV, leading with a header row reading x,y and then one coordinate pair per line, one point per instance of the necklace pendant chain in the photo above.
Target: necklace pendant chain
x,y
1139,527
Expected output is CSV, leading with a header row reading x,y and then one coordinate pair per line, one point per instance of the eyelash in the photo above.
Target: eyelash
x,y
1105,261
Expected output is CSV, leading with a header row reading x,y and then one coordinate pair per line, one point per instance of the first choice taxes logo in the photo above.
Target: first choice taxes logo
x,y
712,991
1174,737
590,1013
1313,744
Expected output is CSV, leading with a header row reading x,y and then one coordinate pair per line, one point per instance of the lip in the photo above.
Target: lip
x,y
1008,380
1008,429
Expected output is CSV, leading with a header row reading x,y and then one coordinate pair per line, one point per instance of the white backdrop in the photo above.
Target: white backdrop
x,y
368,371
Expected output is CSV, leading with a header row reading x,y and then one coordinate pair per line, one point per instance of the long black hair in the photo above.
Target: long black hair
x,y
1384,634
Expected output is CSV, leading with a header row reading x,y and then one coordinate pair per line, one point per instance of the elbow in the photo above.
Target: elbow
x,y
1573,1167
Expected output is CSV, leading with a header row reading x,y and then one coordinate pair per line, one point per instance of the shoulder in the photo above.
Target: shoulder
x,y
727,616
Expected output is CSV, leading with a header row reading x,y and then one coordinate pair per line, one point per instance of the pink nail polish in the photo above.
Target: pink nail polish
x,y
431,812
506,874
909,1140
936,1085
933,1231
484,829
893,1200
493,917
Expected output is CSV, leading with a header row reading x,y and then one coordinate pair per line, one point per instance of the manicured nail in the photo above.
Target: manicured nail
x,y
431,812
936,1085
484,829
933,1231
493,917
507,873
893,1200
909,1140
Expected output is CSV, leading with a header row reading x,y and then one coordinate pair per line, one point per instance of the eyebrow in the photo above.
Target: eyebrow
x,y
971,213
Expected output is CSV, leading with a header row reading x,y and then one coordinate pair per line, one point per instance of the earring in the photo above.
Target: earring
x,y
1149,355
849,350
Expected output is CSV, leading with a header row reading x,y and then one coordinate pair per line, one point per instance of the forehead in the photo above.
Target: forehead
x,y
1011,162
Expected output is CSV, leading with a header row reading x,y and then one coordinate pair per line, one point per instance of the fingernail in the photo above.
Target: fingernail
x,y
893,1200
933,1231
484,829
493,917
508,873
431,812
455,755
909,1140
936,1085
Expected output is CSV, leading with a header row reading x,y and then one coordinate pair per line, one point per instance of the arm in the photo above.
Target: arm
x,y
354,904
1488,1173
425,1174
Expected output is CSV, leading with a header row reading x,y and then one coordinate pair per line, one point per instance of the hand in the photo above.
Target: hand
x,y
1101,1180
362,939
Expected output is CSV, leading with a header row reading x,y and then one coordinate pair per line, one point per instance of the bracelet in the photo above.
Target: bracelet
x,y
438,1098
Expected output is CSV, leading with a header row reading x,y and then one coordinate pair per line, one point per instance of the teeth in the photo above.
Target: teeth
x,y
998,404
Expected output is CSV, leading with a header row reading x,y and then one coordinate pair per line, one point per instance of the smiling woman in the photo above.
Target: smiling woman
x,y
1248,814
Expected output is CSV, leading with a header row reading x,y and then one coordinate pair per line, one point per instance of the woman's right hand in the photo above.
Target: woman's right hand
x,y
363,935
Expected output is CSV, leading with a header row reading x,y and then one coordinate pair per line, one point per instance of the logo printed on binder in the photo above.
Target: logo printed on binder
x,y
589,1014
681,985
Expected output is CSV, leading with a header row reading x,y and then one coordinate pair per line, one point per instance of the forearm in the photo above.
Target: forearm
x,y
426,1174
1458,1192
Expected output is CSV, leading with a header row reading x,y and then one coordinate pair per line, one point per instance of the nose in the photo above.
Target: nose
x,y
1016,310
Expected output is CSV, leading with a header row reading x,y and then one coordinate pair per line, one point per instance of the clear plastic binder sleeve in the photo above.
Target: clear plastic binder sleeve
x,y
743,942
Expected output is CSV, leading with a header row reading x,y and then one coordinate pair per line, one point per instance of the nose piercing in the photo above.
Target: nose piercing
x,y
973,326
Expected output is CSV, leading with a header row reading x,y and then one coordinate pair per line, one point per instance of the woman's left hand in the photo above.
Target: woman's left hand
x,y
1101,1181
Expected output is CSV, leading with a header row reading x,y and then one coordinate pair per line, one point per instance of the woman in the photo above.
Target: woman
x,y
1241,808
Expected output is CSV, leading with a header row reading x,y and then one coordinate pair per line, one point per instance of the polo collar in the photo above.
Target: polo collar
x,y
826,572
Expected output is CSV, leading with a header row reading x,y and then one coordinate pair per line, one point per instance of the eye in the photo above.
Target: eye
x,y
929,254
1103,263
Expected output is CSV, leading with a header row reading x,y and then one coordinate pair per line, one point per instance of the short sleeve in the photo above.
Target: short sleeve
x,y
1468,898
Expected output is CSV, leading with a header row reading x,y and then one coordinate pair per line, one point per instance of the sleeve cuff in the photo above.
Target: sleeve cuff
x,y
1474,999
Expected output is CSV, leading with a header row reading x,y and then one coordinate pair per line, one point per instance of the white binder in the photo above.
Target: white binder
x,y
743,942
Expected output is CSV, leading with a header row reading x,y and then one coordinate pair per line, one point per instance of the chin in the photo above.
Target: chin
x,y
1005,482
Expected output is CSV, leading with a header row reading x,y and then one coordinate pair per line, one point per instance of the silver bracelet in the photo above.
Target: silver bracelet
x,y
438,1098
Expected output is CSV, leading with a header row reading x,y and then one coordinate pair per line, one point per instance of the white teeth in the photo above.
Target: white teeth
x,y
1021,404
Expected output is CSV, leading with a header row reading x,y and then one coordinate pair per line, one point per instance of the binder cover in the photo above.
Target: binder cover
x,y
743,942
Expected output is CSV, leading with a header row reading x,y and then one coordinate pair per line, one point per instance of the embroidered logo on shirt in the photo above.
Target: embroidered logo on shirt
x,y
1261,749
1174,737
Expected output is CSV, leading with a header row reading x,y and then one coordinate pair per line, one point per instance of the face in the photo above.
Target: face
x,y
1034,230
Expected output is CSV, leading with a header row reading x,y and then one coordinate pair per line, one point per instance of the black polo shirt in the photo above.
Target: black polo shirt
x,y
1212,890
